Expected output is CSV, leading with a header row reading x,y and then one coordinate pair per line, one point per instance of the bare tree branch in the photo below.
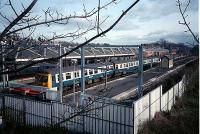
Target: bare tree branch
x,y
183,11
58,20
77,47
20,17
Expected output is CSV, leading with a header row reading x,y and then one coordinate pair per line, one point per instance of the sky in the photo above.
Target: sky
x,y
149,21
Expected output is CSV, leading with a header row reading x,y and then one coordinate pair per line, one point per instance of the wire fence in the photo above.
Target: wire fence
x,y
94,116
97,117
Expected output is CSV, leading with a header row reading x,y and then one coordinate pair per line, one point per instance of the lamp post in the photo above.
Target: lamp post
x,y
74,61
60,74
3,43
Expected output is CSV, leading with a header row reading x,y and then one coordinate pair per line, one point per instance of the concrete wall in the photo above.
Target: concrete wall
x,y
146,107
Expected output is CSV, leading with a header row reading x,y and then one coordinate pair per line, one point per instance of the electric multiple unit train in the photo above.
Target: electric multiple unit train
x,y
50,78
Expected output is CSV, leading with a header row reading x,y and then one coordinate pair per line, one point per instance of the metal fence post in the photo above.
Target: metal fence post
x,y
133,118
60,74
167,100
51,113
140,73
82,70
178,89
173,95
82,83
83,116
24,112
3,110
160,98
150,106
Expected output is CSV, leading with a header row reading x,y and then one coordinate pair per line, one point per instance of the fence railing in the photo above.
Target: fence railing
x,y
97,117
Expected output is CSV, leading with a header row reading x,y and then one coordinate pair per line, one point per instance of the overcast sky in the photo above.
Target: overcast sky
x,y
148,21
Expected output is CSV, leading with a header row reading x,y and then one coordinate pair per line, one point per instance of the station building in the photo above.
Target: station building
x,y
167,62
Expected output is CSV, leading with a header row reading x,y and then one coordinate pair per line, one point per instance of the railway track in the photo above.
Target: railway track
x,y
130,80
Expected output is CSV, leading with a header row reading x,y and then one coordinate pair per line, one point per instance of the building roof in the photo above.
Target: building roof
x,y
49,51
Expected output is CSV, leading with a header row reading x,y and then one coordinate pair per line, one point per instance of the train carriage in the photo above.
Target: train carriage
x,y
50,78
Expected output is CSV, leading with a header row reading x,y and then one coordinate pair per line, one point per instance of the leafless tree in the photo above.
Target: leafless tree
x,y
26,20
184,15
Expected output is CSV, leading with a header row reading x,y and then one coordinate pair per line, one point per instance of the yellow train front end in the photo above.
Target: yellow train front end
x,y
43,79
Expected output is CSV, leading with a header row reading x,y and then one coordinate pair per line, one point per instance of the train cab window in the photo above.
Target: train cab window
x,y
95,71
68,76
90,72
41,78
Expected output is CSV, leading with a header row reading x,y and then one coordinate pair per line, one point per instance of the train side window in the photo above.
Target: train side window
x,y
120,65
68,76
129,64
103,67
111,67
58,77
95,71
77,74
90,72
86,72
98,70
116,66
126,64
